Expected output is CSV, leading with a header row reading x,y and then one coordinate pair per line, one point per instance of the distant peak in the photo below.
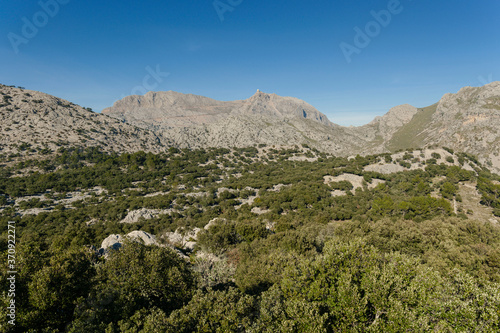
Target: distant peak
x,y
259,92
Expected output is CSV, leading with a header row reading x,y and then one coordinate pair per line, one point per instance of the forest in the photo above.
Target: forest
x,y
287,240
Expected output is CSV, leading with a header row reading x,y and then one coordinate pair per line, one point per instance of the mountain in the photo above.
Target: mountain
x,y
32,121
191,121
171,109
467,121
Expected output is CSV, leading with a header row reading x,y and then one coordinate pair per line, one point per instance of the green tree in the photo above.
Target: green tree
x,y
48,285
448,190
133,278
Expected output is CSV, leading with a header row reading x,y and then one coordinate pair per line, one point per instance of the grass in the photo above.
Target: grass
x,y
493,103
410,135
491,106
471,201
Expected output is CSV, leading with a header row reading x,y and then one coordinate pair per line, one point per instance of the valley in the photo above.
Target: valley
x,y
178,213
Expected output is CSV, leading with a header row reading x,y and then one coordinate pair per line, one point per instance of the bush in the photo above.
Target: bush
x,y
436,156
448,190
133,278
219,237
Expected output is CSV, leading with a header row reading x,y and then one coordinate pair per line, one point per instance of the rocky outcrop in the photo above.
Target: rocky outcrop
x,y
186,241
115,241
112,241
135,216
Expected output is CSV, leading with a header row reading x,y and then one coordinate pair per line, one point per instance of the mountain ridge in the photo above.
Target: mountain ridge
x,y
163,108
466,121
37,122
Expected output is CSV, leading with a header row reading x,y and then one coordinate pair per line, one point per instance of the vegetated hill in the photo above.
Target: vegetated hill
x,y
252,239
32,122
468,121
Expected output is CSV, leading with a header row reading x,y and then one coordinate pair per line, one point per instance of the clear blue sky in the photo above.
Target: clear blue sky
x,y
95,52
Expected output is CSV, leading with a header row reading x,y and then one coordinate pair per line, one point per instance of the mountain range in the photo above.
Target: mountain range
x,y
467,121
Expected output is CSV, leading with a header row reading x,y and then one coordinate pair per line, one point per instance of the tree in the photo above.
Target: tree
x,y
48,285
133,278
212,311
448,190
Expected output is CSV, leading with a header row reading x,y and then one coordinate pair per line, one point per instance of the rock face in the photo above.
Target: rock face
x,y
389,123
40,121
163,110
191,121
468,121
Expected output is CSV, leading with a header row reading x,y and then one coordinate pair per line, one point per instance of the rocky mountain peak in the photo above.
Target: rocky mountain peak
x,y
157,110
397,115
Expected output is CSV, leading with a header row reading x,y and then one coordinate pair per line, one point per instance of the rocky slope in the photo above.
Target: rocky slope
x,y
163,110
32,121
192,121
466,121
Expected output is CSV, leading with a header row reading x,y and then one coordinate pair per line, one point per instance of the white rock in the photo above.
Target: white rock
x,y
114,241
139,235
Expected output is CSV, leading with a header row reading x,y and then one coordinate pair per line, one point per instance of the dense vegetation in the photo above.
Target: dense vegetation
x,y
284,246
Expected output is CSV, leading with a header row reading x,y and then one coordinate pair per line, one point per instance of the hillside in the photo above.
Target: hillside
x,y
33,122
274,219
253,239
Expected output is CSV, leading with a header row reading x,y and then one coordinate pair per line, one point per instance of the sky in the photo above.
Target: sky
x,y
352,60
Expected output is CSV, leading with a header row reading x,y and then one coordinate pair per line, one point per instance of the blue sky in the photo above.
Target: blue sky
x,y
95,52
